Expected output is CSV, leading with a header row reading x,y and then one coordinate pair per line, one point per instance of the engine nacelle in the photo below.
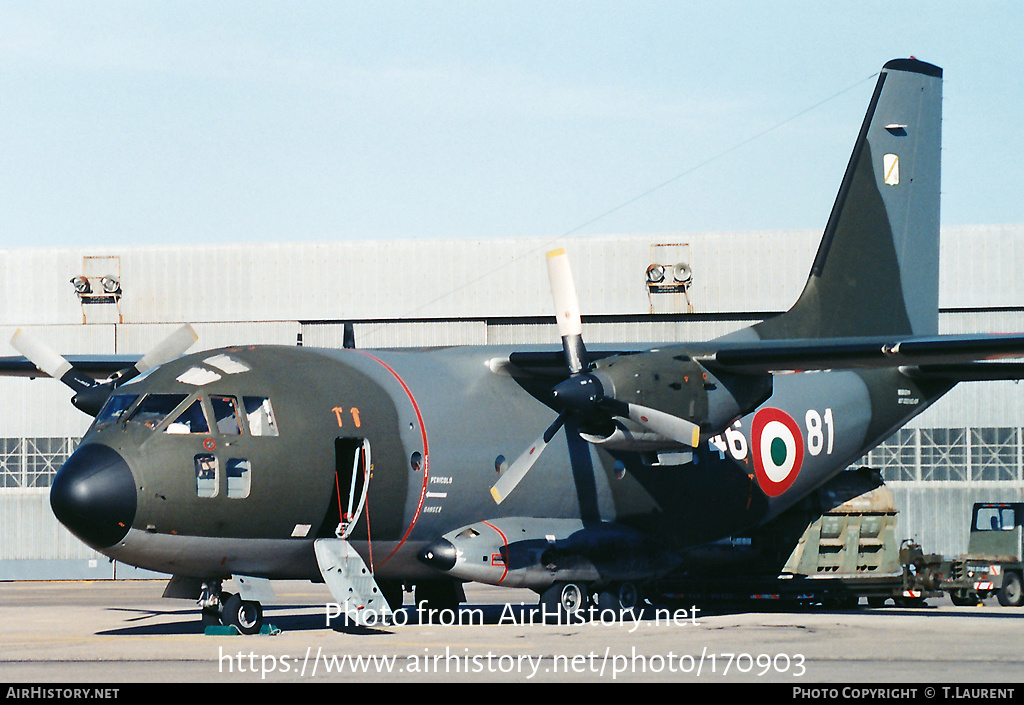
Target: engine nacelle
x,y
672,382
535,553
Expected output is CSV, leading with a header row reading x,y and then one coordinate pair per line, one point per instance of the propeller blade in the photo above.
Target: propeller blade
x,y
50,362
511,478
90,395
567,310
173,346
667,425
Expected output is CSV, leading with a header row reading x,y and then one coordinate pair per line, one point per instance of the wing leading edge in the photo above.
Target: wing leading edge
x,y
99,366
953,357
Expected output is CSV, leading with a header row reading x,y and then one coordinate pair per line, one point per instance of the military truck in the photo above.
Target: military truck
x,y
833,548
994,558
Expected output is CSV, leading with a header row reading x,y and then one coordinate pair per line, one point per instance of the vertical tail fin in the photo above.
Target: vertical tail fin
x,y
877,267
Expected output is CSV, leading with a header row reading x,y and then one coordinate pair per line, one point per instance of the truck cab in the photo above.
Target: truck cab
x,y
996,531
995,557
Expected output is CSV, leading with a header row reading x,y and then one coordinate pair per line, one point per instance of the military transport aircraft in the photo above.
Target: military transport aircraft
x,y
371,470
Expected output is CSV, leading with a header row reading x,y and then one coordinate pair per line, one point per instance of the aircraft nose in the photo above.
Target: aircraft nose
x,y
441,555
93,495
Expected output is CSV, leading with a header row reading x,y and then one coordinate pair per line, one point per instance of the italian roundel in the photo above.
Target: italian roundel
x,y
778,449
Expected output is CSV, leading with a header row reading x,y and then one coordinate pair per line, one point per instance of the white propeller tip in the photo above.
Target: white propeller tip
x,y
39,354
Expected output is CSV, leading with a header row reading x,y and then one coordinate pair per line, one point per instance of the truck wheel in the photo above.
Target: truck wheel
x,y
1011,594
962,599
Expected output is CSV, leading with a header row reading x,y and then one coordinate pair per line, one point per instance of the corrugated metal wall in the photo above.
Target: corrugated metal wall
x,y
427,293
399,279
937,515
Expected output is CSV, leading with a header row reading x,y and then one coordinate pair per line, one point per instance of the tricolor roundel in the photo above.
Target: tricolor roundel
x,y
778,449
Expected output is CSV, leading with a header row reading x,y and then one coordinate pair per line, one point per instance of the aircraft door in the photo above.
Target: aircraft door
x,y
352,479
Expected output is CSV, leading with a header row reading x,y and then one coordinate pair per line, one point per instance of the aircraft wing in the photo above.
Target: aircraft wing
x,y
551,363
98,366
950,356
972,371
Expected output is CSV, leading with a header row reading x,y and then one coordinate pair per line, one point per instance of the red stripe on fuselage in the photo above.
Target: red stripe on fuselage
x,y
504,541
426,453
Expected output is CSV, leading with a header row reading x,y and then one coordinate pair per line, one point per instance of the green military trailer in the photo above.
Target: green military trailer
x,y
994,558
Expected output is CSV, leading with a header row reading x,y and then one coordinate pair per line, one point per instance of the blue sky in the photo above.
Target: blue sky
x,y
191,122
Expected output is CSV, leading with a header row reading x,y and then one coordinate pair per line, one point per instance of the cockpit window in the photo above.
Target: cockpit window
x,y
114,408
225,412
191,420
155,407
260,416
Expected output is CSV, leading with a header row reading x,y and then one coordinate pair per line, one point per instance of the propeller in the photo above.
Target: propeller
x,y
90,394
510,479
50,362
583,394
170,348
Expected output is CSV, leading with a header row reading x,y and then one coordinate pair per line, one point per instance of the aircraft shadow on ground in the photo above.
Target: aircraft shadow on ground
x,y
148,622
307,618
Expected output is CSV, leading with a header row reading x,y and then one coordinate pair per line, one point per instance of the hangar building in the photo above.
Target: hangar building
x,y
402,293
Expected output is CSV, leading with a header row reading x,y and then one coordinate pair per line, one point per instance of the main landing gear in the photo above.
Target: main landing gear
x,y
567,602
229,610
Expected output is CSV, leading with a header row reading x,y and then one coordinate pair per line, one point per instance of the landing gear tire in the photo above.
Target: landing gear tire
x,y
212,602
244,615
210,617
1011,594
438,599
618,598
393,593
565,603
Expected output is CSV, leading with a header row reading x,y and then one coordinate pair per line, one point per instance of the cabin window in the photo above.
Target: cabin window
x,y
225,413
206,475
114,408
154,408
191,420
239,478
260,416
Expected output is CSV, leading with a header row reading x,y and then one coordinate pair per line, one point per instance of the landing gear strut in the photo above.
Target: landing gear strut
x,y
230,610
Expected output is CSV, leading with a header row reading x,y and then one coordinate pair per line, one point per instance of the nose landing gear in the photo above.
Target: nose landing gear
x,y
229,610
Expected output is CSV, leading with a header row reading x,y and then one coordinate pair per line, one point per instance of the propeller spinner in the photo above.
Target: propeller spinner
x,y
90,394
582,394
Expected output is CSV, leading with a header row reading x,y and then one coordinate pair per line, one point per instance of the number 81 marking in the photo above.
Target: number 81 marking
x,y
820,432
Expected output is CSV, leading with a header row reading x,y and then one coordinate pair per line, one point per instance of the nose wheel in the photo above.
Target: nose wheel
x,y
225,609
